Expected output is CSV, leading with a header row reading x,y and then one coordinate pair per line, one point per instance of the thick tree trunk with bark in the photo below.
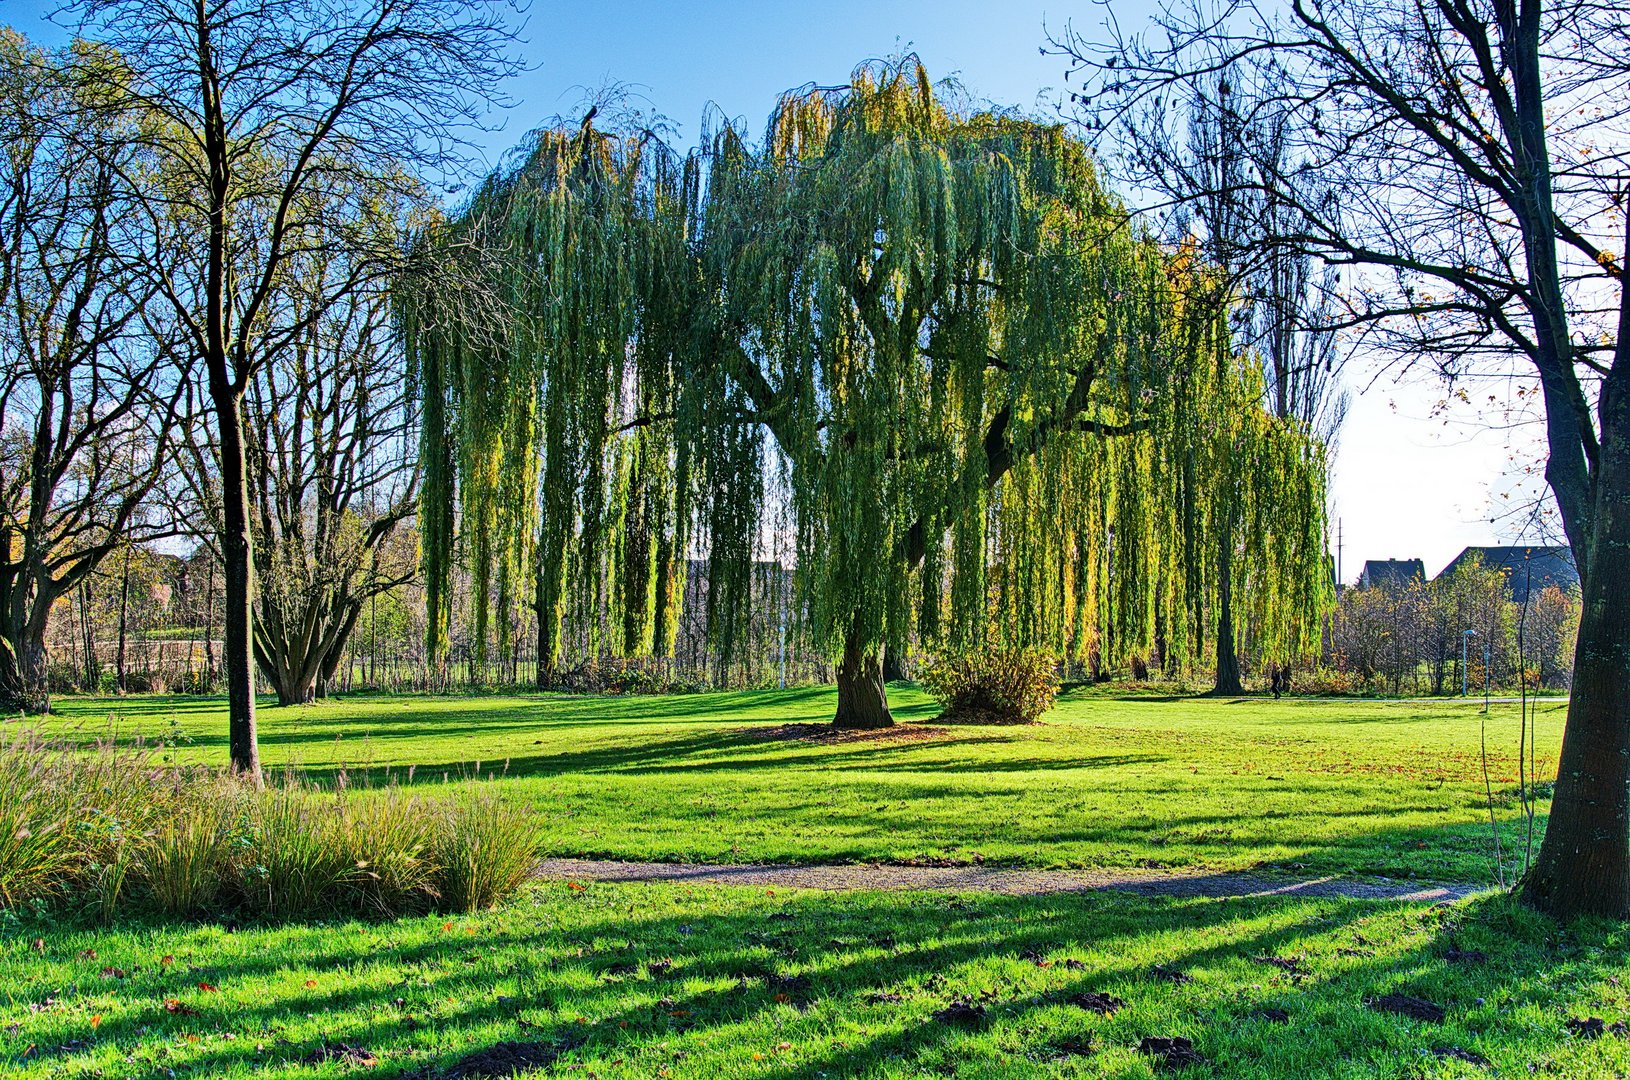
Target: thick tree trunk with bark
x,y
1584,863
25,683
863,702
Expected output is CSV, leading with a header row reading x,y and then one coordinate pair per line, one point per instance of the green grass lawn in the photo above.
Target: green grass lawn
x,y
666,980
1353,787
670,980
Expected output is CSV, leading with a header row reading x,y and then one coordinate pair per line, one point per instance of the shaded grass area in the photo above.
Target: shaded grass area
x,y
1307,785
666,980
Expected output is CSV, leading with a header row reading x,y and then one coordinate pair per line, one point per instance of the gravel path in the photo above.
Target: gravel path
x,y
1012,882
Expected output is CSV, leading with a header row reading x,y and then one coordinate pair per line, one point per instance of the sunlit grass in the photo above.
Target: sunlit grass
x,y
1310,786
665,980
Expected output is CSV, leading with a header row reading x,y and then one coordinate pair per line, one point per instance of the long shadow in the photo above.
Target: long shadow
x,y
582,979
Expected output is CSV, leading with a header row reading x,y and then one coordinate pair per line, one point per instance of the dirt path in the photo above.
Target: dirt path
x,y
1013,882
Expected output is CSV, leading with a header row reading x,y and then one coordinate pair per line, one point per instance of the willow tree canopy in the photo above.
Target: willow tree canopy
x,y
925,341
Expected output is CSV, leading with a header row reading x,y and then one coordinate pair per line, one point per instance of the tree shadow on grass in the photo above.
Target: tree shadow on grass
x,y
822,984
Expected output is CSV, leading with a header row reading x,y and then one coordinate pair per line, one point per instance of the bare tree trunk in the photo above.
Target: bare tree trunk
x,y
209,625
238,575
1228,680
124,609
863,702
87,634
1583,866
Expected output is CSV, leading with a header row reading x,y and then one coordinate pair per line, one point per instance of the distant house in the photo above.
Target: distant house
x,y
1526,568
1391,573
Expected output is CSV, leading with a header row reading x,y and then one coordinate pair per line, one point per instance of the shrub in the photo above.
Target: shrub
x,y
67,819
993,686
485,850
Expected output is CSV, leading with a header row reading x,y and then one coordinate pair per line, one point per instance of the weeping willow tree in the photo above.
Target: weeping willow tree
x,y
565,301
989,401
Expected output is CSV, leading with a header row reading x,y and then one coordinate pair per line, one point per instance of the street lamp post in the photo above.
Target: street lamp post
x,y
1465,635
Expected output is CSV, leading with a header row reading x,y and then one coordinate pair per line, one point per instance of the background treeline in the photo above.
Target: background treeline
x,y
1407,637
148,621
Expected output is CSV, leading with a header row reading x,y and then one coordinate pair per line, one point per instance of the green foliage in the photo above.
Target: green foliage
x,y
924,343
185,861
390,841
295,860
33,843
992,685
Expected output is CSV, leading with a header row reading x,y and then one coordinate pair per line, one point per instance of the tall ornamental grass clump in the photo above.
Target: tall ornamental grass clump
x,y
484,849
117,830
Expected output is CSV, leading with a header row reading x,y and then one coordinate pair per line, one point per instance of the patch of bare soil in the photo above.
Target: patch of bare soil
x,y
1594,1027
1412,1007
966,715
503,1059
342,1054
1173,1053
965,1013
1094,1001
826,734
968,875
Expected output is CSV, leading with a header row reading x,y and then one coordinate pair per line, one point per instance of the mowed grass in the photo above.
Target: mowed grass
x,y
1307,786
672,981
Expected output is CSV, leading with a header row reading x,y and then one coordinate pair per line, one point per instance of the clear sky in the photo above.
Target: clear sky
x,y
1408,483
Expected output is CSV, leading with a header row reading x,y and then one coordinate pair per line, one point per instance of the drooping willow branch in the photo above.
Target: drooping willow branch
x,y
992,407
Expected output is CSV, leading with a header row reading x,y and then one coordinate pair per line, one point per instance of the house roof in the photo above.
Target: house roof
x,y
1391,573
1544,566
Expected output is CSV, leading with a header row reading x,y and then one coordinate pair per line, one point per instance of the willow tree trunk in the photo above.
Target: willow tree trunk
x,y
863,702
548,609
1228,681
1584,863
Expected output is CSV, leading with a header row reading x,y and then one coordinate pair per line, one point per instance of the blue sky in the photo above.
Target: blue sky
x,y
1407,484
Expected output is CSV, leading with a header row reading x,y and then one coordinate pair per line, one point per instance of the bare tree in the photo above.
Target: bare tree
x,y
257,104
86,405
1464,163
334,469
